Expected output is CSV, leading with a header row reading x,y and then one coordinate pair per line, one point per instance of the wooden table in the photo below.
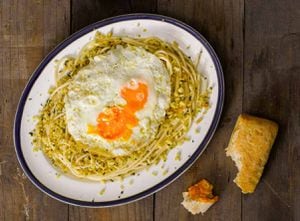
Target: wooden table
x,y
258,43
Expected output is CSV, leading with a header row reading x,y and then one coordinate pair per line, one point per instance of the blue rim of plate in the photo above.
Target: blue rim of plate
x,y
75,36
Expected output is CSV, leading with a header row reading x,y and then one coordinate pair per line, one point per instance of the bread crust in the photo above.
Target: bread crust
x,y
249,146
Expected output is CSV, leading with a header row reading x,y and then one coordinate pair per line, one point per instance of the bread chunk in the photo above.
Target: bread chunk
x,y
199,197
249,147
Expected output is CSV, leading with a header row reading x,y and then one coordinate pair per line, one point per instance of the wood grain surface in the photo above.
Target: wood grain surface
x,y
258,43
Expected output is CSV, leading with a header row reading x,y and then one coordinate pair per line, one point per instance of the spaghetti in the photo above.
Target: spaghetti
x,y
187,99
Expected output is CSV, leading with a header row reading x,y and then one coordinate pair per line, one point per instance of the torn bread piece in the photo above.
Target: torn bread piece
x,y
199,197
249,147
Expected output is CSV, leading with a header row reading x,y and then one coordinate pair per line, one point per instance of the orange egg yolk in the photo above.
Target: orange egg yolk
x,y
117,122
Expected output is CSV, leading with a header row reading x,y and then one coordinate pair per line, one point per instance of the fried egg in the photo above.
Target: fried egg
x,y
117,102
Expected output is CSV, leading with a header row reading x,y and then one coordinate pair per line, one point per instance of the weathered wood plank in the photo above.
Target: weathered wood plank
x,y
221,22
272,90
88,12
137,211
84,13
29,29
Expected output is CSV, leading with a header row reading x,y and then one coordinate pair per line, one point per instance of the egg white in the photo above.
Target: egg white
x,y
98,86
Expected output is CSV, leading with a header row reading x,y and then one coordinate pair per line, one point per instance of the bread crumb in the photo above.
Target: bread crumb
x,y
199,197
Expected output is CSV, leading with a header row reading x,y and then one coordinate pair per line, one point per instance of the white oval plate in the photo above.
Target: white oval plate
x,y
96,194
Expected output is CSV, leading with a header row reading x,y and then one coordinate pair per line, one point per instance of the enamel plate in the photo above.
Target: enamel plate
x,y
96,194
